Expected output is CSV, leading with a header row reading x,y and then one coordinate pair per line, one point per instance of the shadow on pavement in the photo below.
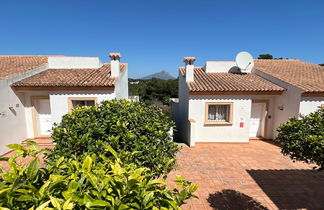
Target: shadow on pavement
x,y
292,189
233,200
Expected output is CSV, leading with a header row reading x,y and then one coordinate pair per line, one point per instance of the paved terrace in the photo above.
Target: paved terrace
x,y
253,175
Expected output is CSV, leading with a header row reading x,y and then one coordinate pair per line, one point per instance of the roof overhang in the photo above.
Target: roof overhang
x,y
62,88
235,92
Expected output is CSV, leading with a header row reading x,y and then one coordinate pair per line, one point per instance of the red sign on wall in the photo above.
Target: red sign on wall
x,y
241,124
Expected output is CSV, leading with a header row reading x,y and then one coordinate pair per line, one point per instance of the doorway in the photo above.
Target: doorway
x,y
258,119
42,116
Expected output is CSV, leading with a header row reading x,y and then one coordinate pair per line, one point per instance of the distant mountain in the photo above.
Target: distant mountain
x,y
159,75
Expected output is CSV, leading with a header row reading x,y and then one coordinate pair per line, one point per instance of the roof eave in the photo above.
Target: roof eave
x,y
275,92
62,88
313,94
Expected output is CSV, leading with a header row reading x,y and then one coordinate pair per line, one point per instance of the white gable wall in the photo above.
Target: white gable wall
x,y
13,121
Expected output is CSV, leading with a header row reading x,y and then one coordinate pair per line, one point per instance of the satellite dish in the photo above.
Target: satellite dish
x,y
244,61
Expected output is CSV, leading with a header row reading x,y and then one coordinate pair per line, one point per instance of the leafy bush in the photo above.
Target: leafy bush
x,y
86,184
134,130
303,139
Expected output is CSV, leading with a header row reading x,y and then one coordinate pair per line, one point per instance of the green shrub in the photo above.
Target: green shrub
x,y
136,131
303,139
86,184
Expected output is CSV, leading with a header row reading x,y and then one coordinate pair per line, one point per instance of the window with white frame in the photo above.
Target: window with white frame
x,y
219,113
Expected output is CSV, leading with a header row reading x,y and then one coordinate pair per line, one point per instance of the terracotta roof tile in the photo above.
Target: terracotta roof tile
x,y
306,76
11,65
223,82
99,77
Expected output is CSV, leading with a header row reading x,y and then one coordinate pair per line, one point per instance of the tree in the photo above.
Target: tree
x,y
303,139
265,56
322,64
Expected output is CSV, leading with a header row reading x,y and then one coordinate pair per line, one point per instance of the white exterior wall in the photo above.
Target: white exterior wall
x,y
121,86
310,104
59,100
16,124
220,133
73,62
59,104
29,112
13,121
289,101
221,66
272,113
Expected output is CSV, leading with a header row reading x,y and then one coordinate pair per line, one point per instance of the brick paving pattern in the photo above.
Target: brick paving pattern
x,y
254,175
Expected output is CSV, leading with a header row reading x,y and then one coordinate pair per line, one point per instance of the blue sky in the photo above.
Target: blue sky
x,y
155,35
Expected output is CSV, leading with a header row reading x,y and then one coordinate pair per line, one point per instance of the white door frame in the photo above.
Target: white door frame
x,y
34,113
265,117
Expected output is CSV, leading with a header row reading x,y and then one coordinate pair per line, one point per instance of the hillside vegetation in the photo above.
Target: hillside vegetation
x,y
154,90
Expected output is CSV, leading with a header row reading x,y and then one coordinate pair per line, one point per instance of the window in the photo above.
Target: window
x,y
83,103
219,113
73,102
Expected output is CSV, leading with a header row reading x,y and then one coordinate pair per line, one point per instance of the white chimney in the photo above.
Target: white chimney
x,y
189,61
115,67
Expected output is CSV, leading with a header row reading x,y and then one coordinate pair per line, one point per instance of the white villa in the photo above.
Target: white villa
x,y
36,91
218,103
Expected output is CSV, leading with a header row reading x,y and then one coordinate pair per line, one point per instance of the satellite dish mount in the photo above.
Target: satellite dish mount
x,y
245,62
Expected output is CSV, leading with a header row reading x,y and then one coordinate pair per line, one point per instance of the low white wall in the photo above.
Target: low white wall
x,y
310,104
59,100
221,133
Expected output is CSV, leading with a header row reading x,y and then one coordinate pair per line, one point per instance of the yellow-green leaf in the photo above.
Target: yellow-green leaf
x,y
55,202
32,168
43,206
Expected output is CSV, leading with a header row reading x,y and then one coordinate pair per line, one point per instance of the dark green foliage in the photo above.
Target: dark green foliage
x,y
94,182
265,56
138,132
155,89
303,139
322,64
